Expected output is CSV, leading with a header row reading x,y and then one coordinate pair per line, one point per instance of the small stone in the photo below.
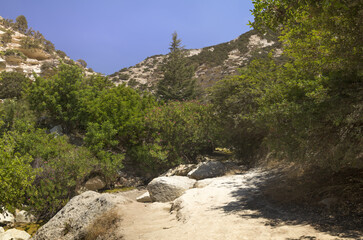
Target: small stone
x,y
95,183
144,198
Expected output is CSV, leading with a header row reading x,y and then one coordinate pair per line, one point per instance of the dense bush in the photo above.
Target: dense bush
x,y
12,84
52,168
14,52
16,174
176,132
310,104
7,37
61,54
21,23
63,96
120,109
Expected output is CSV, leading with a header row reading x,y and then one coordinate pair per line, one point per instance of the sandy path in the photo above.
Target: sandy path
x,y
216,212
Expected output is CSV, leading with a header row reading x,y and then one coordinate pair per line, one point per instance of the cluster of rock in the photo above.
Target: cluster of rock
x,y
76,219
8,219
176,181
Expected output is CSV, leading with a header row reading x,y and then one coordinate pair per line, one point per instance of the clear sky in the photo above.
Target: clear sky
x,y
112,34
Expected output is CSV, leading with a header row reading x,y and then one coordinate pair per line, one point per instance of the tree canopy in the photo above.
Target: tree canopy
x,y
178,82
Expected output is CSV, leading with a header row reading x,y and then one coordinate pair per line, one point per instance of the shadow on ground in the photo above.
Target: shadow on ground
x,y
286,200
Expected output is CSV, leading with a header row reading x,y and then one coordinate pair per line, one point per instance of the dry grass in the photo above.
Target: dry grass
x,y
104,227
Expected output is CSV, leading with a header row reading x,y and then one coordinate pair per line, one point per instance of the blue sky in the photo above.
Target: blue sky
x,y
112,34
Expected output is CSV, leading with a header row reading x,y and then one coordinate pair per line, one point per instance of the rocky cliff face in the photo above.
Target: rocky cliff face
x,y
14,56
211,63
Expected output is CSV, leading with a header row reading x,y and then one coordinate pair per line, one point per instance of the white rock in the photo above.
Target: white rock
x,y
6,218
23,216
164,189
73,220
207,170
203,183
181,170
2,230
95,183
14,234
144,198
58,130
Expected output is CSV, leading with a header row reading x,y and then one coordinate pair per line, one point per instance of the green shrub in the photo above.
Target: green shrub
x,y
61,54
29,43
12,84
16,174
123,76
175,133
14,52
6,37
120,108
82,62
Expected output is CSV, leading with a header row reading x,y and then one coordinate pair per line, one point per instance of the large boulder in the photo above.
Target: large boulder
x,y
207,170
6,217
165,189
14,234
74,219
95,183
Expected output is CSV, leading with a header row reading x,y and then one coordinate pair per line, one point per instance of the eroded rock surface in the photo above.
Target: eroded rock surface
x,y
73,220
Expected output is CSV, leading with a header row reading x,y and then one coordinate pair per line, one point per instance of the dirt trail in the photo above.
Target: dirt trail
x,y
218,211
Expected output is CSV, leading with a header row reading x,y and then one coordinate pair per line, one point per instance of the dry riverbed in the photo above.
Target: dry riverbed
x,y
229,208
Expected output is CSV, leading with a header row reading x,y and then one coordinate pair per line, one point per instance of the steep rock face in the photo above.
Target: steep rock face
x,y
15,57
211,63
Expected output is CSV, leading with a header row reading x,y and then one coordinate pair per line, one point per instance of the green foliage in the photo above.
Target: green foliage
x,y
175,132
59,166
48,46
235,100
216,55
123,76
48,69
8,23
12,84
121,109
59,96
16,174
82,62
14,52
21,23
309,105
178,82
29,43
61,54
7,37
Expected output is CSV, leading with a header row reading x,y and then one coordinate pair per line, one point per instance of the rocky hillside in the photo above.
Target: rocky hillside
x,y
28,52
211,63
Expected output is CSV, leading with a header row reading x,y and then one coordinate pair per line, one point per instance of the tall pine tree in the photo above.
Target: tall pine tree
x,y
178,82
